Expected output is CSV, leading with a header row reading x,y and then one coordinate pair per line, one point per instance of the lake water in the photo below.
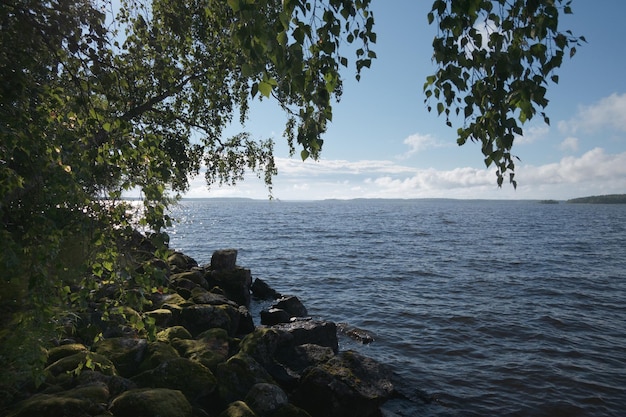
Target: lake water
x,y
482,308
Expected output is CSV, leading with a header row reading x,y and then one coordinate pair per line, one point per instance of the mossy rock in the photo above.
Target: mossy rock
x,y
238,409
82,361
162,316
201,317
210,348
174,332
81,401
59,352
290,410
151,402
193,379
156,354
126,353
237,375
264,399
263,343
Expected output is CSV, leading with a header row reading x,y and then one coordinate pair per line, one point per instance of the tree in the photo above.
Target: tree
x,y
495,60
96,102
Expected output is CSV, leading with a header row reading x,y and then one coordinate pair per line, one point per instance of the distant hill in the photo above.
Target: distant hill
x,y
601,199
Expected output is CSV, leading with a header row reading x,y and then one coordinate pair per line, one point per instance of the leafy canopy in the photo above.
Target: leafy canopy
x,y
495,59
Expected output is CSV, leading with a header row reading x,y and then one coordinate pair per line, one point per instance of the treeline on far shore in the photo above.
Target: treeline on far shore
x,y
601,199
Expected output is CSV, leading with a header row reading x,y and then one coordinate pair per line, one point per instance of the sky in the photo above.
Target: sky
x,y
383,143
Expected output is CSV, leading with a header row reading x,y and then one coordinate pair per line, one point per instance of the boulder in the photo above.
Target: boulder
x,y
238,409
157,353
235,283
200,295
292,305
290,410
224,260
196,276
348,385
126,353
174,332
238,375
262,290
151,402
193,379
211,347
181,262
63,351
273,316
264,399
77,402
355,333
162,317
80,361
200,317
115,383
323,333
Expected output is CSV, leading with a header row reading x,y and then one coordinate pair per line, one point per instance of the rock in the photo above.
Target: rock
x,y
158,353
235,283
323,333
246,323
290,410
193,379
263,343
87,400
151,402
82,361
200,295
161,316
292,305
262,290
273,316
224,260
196,276
348,385
237,375
126,353
173,332
264,399
354,333
181,262
115,383
201,317
63,351
304,356
211,347
238,409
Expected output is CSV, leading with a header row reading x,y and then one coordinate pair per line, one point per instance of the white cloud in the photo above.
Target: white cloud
x,y
594,172
418,143
609,112
532,134
569,144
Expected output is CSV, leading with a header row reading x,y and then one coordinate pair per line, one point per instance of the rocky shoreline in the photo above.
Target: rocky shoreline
x,y
206,357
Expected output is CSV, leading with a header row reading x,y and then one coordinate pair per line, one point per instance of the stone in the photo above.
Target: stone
x,y
290,410
126,353
238,375
201,317
234,282
323,333
224,260
292,305
174,332
211,348
196,276
115,383
193,379
355,333
264,399
200,295
238,409
80,401
348,385
262,290
59,352
246,322
157,353
273,316
151,402
161,316
84,360
263,343
180,261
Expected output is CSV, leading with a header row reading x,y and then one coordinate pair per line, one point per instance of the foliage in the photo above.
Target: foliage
x,y
495,59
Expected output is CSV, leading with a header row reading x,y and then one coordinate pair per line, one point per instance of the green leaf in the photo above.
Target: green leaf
x,y
234,5
304,154
265,88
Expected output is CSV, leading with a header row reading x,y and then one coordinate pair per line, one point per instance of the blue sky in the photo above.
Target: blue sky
x,y
384,144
